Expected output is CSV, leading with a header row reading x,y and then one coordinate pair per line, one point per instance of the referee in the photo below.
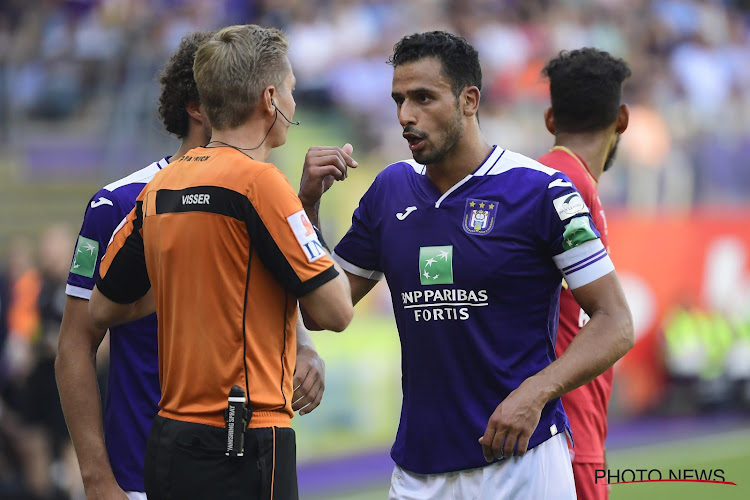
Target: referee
x,y
219,245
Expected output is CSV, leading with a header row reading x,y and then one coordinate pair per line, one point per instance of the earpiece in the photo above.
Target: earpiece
x,y
282,114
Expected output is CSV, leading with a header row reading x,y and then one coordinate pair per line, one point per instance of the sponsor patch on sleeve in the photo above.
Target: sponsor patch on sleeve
x,y
84,260
569,205
305,233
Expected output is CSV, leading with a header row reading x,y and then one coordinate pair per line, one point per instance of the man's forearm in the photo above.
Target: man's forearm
x,y
313,213
75,370
304,340
599,344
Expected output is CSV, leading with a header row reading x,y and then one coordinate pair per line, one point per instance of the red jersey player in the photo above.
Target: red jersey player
x,y
586,118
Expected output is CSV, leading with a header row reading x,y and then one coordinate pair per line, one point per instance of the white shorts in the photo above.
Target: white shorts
x,y
136,495
543,473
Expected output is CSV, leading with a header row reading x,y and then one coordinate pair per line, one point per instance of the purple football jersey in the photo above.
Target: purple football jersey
x,y
475,277
133,390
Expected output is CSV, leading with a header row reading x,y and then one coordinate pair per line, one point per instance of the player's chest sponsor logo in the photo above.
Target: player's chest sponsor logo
x,y
440,303
569,205
479,216
436,265
84,260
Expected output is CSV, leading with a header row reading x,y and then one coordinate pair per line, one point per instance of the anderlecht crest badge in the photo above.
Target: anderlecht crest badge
x,y
479,216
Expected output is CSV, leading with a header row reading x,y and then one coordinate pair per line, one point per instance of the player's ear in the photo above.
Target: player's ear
x,y
470,100
623,117
549,120
194,110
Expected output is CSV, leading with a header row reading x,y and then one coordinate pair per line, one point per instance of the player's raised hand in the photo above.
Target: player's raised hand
x,y
309,380
512,423
323,165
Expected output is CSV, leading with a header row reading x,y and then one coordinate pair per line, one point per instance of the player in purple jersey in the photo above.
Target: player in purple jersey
x,y
473,241
112,458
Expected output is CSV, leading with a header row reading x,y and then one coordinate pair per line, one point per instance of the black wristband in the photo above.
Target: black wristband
x,y
319,233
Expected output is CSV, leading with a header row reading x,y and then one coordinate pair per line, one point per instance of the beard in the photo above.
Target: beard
x,y
438,152
611,156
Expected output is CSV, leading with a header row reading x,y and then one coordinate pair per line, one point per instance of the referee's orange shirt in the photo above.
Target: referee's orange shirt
x,y
227,248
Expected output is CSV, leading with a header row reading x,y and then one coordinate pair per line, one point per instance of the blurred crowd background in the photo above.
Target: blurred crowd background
x,y
77,110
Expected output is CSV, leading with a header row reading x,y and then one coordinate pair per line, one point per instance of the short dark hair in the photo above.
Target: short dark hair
x,y
586,89
459,59
178,84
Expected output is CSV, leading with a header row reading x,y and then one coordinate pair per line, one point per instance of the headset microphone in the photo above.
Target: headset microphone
x,y
282,114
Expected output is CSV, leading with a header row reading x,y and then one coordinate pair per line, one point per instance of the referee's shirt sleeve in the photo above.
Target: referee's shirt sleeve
x,y
123,277
283,236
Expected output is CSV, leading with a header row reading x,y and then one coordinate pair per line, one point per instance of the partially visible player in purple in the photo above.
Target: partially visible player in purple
x,y
112,459
473,241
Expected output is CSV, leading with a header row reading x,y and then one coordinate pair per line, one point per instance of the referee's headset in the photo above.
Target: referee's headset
x,y
283,115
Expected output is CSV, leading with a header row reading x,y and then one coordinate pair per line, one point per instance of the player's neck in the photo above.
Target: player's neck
x,y
464,159
592,147
194,139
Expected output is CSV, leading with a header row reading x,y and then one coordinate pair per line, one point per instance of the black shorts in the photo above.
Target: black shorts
x,y
186,461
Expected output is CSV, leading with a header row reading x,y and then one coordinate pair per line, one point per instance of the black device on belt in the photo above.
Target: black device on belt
x,y
236,416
